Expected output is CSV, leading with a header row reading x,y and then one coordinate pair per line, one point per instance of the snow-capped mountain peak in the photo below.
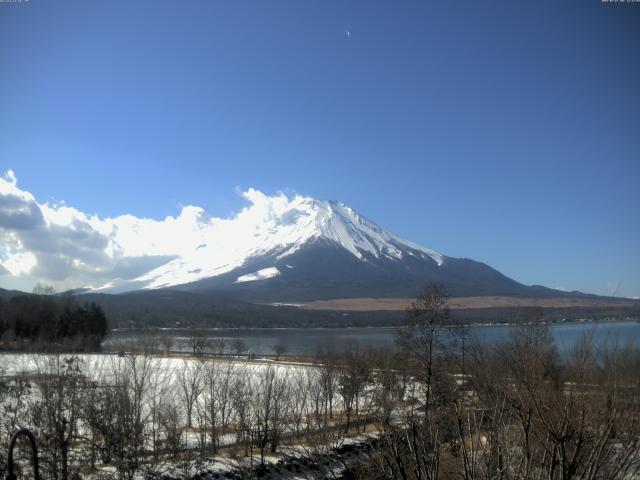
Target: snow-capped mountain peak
x,y
340,223
279,229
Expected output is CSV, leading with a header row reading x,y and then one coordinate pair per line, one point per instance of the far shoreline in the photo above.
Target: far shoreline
x,y
365,327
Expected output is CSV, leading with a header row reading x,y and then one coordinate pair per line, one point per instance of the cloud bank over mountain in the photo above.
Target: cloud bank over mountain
x,y
276,247
65,247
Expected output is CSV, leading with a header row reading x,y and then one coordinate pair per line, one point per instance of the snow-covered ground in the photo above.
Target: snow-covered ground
x,y
165,381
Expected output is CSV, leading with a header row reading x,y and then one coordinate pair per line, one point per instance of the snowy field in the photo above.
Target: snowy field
x,y
103,366
188,406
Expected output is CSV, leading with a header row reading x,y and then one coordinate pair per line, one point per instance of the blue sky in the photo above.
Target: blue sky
x,y
503,131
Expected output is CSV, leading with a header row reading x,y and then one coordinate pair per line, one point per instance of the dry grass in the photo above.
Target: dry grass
x,y
370,304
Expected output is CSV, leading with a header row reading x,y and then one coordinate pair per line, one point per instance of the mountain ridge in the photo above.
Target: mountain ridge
x,y
305,249
280,233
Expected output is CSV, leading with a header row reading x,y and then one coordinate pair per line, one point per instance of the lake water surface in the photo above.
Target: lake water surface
x,y
303,341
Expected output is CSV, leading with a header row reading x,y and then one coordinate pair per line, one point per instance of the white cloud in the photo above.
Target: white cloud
x,y
20,263
11,177
63,246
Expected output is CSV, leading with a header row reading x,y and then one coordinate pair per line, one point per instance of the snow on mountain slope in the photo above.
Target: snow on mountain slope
x,y
276,249
263,274
282,228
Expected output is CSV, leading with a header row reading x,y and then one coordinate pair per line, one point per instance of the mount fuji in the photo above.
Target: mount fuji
x,y
314,250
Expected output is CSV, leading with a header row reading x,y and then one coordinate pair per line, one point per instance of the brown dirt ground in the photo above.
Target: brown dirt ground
x,y
369,304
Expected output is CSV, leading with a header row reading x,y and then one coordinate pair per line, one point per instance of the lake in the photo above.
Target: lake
x,y
301,341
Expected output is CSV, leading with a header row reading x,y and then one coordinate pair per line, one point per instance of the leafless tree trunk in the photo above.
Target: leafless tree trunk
x,y
190,383
353,378
544,417
269,407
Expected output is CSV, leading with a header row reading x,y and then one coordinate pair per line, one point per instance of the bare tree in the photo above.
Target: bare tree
x,y
125,413
538,416
317,417
390,381
225,385
269,407
329,376
239,346
167,342
412,449
279,349
170,420
241,400
41,289
216,391
217,346
161,392
353,378
15,392
190,383
424,335
56,413
298,395
197,341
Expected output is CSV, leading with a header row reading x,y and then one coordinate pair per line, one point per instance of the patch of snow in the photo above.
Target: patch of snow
x,y
259,275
